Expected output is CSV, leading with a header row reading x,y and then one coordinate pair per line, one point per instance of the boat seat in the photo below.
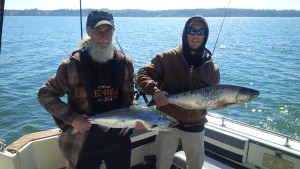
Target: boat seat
x,y
179,160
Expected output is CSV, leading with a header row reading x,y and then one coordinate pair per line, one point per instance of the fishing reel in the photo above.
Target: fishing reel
x,y
138,92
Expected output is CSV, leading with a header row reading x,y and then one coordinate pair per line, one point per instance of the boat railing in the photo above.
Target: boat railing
x,y
284,136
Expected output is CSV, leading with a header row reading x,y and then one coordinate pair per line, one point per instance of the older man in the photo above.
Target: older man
x,y
96,78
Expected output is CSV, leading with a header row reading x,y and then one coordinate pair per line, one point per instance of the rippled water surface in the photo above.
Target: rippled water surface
x,y
260,53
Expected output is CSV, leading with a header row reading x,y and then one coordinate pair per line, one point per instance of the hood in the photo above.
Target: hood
x,y
82,48
85,42
200,57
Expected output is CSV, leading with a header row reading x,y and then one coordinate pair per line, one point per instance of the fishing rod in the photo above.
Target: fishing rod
x,y
221,26
138,92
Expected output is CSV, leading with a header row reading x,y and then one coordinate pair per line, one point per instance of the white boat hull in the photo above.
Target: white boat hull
x,y
228,145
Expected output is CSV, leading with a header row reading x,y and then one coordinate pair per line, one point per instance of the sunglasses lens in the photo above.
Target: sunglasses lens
x,y
201,32
191,31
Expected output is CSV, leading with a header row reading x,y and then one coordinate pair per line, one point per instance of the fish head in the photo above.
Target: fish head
x,y
246,95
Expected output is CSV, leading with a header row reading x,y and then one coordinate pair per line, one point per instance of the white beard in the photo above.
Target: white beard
x,y
99,53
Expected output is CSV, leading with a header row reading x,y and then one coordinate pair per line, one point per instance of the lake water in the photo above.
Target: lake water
x,y
260,53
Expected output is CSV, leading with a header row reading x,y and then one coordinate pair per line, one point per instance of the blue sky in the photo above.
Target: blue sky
x,y
152,4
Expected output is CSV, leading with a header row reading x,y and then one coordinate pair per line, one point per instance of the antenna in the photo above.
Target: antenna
x,y
2,2
221,27
80,18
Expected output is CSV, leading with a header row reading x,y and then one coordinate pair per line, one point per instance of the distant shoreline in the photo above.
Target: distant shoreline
x,y
217,12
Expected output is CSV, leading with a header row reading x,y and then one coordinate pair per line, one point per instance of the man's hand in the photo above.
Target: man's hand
x,y
160,98
81,124
140,126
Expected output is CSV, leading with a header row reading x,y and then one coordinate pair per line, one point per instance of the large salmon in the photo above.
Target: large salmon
x,y
127,117
217,96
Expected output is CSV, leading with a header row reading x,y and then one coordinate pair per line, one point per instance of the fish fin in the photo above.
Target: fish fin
x,y
74,131
104,128
230,105
151,103
225,105
124,131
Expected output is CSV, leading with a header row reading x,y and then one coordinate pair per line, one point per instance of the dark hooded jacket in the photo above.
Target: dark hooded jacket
x,y
170,71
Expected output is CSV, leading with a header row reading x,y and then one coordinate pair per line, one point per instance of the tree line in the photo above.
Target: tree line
x,y
217,12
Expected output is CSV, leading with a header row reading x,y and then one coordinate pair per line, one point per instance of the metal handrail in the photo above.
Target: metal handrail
x,y
286,137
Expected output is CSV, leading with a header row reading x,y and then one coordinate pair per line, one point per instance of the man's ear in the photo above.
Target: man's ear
x,y
88,30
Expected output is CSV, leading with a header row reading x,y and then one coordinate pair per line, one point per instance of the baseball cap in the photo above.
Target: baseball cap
x,y
99,17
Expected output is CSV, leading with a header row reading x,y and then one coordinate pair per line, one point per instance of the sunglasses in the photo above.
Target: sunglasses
x,y
192,31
